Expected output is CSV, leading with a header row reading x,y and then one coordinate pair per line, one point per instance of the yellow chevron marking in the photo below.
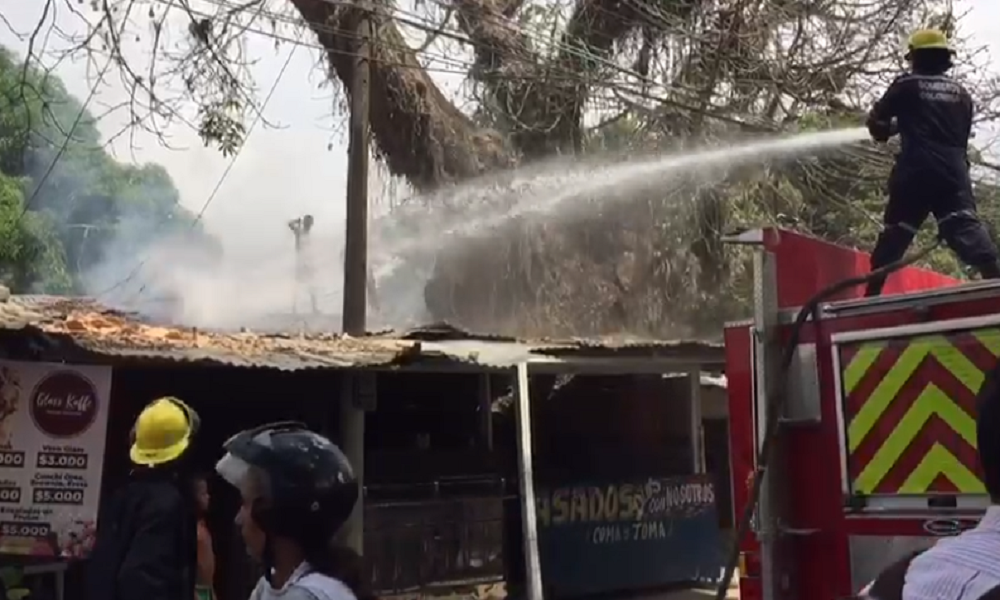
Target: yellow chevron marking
x,y
939,461
990,338
931,401
869,352
862,360
908,363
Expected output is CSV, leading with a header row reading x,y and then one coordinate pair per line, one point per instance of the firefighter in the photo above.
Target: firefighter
x,y
146,543
298,489
964,567
932,113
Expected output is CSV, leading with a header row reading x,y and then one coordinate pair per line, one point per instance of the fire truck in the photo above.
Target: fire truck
x,y
873,437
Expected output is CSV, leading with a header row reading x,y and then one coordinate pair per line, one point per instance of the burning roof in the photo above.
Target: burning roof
x,y
87,326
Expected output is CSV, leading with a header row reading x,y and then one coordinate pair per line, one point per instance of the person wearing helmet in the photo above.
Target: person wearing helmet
x,y
932,113
963,567
298,489
146,543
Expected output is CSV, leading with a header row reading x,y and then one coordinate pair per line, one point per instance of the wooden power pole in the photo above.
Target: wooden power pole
x,y
304,283
352,416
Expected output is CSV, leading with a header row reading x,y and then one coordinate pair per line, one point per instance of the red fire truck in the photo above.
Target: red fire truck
x,y
874,449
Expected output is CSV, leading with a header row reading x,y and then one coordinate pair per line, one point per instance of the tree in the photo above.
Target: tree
x,y
650,73
65,204
29,250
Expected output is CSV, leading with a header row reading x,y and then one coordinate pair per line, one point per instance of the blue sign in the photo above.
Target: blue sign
x,y
604,537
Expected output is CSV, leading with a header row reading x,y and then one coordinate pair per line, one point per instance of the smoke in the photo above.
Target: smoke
x,y
244,271
238,270
227,287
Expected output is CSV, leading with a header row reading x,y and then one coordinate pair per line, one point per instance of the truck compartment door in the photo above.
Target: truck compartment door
x,y
906,414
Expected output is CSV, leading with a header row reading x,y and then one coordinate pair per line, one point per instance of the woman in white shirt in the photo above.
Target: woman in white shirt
x,y
298,489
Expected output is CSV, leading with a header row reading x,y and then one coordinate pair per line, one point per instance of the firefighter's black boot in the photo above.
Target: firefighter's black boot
x,y
890,247
875,286
990,270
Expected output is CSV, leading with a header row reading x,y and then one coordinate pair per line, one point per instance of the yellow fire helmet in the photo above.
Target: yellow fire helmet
x,y
162,432
927,39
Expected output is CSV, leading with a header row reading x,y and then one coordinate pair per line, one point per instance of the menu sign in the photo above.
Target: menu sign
x,y
53,424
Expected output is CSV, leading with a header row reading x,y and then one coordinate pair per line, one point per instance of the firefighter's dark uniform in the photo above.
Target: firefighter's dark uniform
x,y
146,546
933,114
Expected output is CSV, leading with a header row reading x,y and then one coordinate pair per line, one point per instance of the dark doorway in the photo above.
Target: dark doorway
x,y
717,463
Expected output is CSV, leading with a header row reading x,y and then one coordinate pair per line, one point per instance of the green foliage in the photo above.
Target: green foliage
x,y
29,249
220,126
57,222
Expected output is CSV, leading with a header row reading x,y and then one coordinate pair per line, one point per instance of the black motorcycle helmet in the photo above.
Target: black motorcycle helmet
x,y
302,485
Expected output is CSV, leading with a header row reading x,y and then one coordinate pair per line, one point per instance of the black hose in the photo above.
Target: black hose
x,y
777,393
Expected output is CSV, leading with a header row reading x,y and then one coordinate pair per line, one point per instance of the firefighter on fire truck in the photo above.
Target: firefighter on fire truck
x,y
965,567
933,115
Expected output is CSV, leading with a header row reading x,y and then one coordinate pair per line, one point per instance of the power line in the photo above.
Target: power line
x,y
222,178
422,23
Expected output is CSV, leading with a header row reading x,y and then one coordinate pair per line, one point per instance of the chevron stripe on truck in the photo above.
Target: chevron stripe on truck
x,y
909,411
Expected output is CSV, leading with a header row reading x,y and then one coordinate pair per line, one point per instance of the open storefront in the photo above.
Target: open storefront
x,y
452,475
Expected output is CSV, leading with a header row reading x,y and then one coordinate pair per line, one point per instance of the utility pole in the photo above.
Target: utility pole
x,y
303,263
352,401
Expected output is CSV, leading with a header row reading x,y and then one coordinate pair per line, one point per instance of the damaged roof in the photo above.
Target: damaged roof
x,y
85,325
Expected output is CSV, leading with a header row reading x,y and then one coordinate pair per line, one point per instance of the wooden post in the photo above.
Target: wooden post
x,y
301,228
352,416
352,442
356,238
526,474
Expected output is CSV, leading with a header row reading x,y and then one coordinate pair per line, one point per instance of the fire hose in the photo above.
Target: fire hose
x,y
776,395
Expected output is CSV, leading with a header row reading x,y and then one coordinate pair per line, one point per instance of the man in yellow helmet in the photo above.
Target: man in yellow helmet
x,y
933,115
146,546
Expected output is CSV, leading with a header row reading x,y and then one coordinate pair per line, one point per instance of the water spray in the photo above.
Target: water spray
x,y
406,243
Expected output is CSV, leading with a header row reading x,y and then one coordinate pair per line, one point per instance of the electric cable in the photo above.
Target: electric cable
x,y
777,393
218,184
855,150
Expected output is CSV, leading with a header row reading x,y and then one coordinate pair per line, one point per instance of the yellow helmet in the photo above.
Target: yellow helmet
x,y
927,39
162,432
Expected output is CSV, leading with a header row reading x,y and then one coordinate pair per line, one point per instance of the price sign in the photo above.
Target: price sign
x,y
26,530
61,460
52,495
53,428
11,459
10,495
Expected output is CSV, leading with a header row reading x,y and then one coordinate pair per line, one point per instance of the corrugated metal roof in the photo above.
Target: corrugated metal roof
x,y
102,331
